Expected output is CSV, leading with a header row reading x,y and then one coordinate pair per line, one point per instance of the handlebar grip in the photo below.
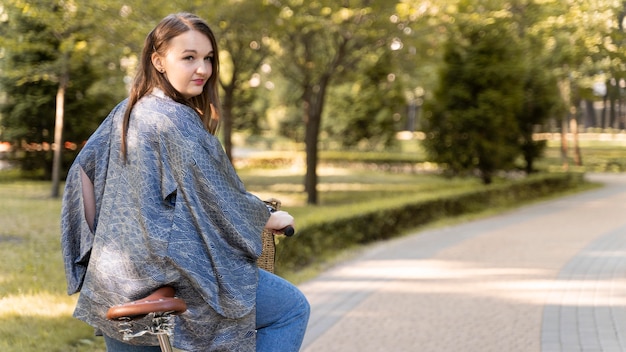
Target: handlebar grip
x,y
288,231
273,205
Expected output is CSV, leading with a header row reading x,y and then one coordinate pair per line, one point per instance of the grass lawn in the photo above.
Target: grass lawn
x,y
340,189
35,311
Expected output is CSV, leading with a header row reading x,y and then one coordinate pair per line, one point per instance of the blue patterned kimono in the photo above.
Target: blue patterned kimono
x,y
175,213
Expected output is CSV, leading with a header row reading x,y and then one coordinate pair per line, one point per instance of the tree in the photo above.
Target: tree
x,y
421,30
541,102
581,45
241,28
471,123
541,97
48,43
243,34
318,42
363,111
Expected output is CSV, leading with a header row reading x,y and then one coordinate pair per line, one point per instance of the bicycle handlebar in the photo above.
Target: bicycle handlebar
x,y
288,231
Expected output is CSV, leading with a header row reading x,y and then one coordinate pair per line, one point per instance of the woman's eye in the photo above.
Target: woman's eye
x,y
209,58
188,58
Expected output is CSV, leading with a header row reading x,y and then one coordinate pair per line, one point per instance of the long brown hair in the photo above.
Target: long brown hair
x,y
207,104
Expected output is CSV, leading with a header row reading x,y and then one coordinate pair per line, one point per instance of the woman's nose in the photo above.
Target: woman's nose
x,y
204,68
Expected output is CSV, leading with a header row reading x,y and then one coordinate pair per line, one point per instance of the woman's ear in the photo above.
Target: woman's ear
x,y
157,62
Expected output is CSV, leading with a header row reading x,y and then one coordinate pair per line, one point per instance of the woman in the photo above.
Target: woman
x,y
152,200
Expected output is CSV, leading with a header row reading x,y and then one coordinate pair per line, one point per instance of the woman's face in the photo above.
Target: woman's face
x,y
187,65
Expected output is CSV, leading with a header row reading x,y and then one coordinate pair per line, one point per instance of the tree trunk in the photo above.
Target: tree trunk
x,y
313,105
487,180
565,90
529,165
591,119
58,135
573,125
620,113
310,140
227,121
612,110
604,112
564,144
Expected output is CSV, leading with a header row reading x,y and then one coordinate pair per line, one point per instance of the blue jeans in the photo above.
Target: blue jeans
x,y
282,314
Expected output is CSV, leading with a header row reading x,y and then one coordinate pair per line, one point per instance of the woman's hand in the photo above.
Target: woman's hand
x,y
279,220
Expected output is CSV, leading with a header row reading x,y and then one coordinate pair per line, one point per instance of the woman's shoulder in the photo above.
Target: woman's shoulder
x,y
160,109
158,103
154,113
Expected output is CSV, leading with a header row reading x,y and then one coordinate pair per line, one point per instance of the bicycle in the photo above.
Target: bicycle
x,y
162,305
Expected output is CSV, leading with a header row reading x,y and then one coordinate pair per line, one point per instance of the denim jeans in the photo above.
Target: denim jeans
x,y
282,314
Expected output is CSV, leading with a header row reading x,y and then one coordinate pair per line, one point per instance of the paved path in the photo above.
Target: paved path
x,y
546,277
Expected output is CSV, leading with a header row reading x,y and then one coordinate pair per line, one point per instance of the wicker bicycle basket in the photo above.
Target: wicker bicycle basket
x,y
267,260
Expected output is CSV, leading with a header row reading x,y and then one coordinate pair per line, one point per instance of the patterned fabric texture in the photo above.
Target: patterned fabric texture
x,y
174,213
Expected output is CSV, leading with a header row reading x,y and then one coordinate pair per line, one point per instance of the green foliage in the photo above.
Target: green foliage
x,y
363,113
321,42
54,39
59,36
472,123
541,101
356,63
377,160
29,112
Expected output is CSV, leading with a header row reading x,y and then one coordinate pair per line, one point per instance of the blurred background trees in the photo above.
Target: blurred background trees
x,y
475,106
476,78
53,63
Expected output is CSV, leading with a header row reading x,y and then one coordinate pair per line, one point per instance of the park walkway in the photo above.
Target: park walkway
x,y
545,277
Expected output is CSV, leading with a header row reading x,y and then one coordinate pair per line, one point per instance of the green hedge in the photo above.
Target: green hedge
x,y
271,160
318,241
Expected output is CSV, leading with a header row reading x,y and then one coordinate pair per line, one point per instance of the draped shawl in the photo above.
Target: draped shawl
x,y
174,213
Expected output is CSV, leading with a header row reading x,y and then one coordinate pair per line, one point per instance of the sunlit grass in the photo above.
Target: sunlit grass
x,y
35,311
339,186
43,304
340,189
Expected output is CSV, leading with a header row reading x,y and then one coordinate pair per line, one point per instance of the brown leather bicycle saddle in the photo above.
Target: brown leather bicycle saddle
x,y
160,301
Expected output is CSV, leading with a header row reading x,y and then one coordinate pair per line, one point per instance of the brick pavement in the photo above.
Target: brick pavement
x,y
546,277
